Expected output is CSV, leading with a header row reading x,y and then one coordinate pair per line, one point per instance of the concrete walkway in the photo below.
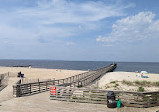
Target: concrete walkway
x,y
41,103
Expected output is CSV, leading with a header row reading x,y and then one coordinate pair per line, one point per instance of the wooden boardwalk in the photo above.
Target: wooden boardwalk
x,y
79,80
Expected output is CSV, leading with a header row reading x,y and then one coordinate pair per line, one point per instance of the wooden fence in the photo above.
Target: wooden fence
x,y
79,80
85,95
4,79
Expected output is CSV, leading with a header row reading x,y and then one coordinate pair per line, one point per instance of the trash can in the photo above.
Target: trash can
x,y
111,102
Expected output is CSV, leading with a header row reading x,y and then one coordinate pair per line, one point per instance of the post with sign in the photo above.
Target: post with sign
x,y
53,91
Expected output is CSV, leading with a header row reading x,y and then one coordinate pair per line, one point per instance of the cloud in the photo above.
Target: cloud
x,y
45,20
138,27
70,43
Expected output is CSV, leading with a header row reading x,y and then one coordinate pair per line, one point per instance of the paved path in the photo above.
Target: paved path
x,y
130,109
41,103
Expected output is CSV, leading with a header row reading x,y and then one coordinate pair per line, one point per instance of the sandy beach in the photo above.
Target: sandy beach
x,y
40,73
128,76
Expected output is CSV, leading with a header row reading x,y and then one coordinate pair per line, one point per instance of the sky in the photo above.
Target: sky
x,y
84,30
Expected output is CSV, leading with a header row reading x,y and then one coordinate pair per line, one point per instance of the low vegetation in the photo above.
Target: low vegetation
x,y
113,82
143,83
116,85
141,89
129,83
140,83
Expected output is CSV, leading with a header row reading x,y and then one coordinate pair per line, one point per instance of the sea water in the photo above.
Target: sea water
x,y
150,67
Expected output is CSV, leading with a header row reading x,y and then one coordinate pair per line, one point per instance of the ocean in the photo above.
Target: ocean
x,y
150,67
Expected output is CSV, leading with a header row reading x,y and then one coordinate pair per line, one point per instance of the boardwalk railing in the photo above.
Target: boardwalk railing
x,y
3,79
79,80
85,95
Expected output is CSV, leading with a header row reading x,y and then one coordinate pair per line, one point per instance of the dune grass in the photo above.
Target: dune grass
x,y
140,83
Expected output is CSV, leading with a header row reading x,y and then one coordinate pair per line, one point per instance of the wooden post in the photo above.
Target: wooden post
x,y
70,79
46,86
67,80
16,90
73,78
53,81
30,88
76,78
39,86
63,81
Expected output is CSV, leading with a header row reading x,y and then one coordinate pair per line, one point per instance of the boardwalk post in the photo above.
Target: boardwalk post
x,y
63,81
39,86
16,90
46,86
30,88
53,81
73,78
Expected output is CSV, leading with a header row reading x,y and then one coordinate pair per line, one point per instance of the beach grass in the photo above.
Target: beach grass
x,y
141,83
129,83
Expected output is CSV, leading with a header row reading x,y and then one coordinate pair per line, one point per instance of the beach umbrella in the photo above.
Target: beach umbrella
x,y
144,72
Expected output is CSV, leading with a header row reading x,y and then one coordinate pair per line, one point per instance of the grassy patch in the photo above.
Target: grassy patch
x,y
141,89
106,87
129,83
140,83
113,82
155,83
116,85
143,83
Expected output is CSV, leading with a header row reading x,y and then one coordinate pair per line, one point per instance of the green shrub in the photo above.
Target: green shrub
x,y
107,87
141,89
113,82
116,85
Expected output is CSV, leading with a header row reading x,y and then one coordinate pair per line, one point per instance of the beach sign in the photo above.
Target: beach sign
x,y
53,90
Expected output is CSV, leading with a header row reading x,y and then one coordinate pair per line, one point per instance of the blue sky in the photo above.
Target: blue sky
x,y
93,30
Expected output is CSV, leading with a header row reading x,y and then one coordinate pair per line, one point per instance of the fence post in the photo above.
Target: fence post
x,y
30,88
46,86
39,86
16,91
